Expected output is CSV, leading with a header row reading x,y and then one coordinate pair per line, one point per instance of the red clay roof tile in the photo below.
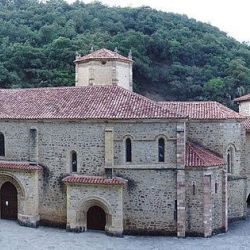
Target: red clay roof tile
x,y
90,102
19,166
198,156
209,110
242,98
103,54
94,180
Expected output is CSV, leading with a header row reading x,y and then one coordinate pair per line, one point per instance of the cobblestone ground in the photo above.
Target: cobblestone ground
x,y
13,236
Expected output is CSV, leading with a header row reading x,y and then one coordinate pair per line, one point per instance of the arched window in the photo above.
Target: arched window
x,y
230,159
161,150
73,161
2,145
128,150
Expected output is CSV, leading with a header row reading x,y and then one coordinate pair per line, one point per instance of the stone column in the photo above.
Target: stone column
x,y
114,74
224,201
207,203
109,147
28,209
180,185
91,74
131,76
76,73
33,145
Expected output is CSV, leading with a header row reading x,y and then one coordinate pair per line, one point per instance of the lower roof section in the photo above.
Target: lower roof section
x,y
93,180
9,165
198,156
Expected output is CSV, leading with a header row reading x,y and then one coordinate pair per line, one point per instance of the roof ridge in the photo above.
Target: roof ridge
x,y
187,102
59,87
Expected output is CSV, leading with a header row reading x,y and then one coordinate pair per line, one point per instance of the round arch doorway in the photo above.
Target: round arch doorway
x,y
96,218
8,196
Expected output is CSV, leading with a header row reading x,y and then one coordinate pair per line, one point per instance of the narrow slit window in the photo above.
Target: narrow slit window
x,y
128,150
161,150
175,210
216,187
230,160
193,189
2,145
74,161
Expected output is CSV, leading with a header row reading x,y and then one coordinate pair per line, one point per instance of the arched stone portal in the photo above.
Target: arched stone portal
x,y
19,192
8,197
96,218
96,214
95,205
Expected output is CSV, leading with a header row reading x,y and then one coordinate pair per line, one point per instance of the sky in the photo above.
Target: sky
x,y
231,16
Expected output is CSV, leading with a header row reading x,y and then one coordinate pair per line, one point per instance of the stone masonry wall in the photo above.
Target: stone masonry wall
x,y
244,108
56,140
236,198
218,136
247,161
217,199
194,202
197,201
108,73
149,201
145,143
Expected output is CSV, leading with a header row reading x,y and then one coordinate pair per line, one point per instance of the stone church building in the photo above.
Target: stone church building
x,y
99,156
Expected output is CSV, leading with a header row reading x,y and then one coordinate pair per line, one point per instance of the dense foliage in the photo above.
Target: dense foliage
x,y
175,57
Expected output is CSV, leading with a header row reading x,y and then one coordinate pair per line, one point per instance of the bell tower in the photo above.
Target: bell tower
x,y
104,67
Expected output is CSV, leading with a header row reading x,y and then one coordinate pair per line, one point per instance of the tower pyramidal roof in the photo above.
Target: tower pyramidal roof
x,y
103,54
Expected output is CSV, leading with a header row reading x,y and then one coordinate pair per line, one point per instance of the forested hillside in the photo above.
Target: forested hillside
x,y
175,57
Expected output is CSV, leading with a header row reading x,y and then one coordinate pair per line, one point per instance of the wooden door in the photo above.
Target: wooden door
x,y
96,218
8,201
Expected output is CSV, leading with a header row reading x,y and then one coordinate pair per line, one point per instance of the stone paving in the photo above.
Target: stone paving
x,y
13,236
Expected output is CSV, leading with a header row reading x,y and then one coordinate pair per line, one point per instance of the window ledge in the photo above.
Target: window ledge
x,y
144,166
232,177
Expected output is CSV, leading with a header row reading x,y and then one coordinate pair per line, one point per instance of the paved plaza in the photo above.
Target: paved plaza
x,y
13,236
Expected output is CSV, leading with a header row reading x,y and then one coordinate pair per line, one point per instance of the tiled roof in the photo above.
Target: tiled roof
x,y
94,180
90,102
209,110
103,54
242,98
246,124
19,166
198,156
